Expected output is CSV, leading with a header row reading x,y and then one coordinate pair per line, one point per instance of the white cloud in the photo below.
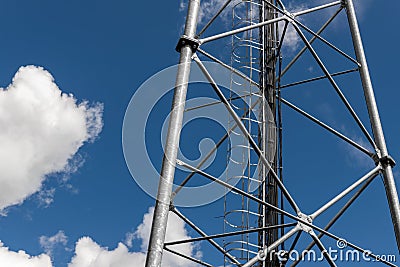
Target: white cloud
x,y
129,238
21,258
291,40
175,231
49,243
209,8
182,6
46,197
353,155
42,129
90,254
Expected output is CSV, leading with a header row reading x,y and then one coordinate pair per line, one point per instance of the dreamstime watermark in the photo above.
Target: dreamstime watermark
x,y
139,132
340,253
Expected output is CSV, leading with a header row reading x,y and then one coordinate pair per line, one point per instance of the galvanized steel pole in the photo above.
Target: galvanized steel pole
x,y
161,211
387,162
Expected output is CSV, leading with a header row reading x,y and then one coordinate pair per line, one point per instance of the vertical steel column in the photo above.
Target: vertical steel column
x,y
390,186
269,92
160,217
262,235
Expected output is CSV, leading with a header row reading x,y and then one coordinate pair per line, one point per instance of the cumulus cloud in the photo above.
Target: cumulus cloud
x,y
42,129
175,231
21,258
49,243
90,254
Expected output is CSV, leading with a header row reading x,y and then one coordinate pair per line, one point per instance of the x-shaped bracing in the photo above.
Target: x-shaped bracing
x,y
304,222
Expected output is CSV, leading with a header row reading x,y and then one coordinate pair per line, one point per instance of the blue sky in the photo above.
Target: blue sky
x,y
101,52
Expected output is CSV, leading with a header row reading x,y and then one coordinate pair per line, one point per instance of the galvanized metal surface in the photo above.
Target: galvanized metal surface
x,y
303,222
161,211
390,186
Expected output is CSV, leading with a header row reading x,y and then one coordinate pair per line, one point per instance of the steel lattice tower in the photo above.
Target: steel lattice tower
x,y
258,222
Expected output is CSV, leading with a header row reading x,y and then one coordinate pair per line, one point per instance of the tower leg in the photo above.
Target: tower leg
x,y
390,186
160,217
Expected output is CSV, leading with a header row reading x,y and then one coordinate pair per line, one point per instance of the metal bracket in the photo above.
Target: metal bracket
x,y
171,207
289,16
386,160
185,40
303,226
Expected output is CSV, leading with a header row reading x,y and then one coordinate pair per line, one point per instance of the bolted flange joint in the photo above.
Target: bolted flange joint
x,y
185,40
385,161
